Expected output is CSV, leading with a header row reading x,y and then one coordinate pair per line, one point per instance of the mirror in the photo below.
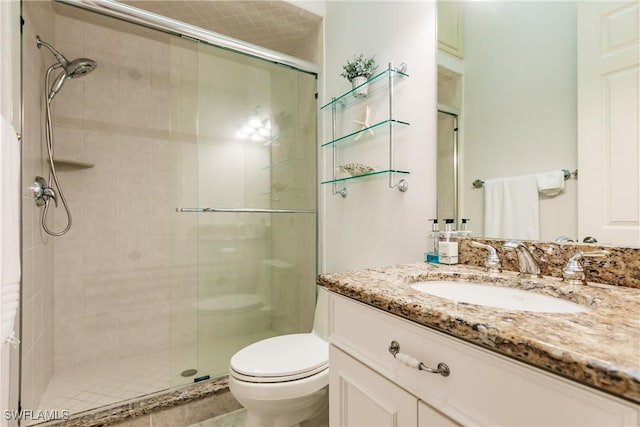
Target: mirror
x,y
510,70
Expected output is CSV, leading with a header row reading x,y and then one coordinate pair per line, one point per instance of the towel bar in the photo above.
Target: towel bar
x,y
478,183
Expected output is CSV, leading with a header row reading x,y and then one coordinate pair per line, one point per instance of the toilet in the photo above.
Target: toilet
x,y
284,381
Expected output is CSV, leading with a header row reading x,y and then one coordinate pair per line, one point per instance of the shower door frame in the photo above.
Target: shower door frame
x,y
172,26
454,113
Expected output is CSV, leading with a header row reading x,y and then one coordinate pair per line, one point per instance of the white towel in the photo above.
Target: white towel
x,y
550,183
9,228
511,208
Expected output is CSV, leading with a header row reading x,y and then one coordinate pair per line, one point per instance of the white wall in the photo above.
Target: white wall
x,y
519,108
375,225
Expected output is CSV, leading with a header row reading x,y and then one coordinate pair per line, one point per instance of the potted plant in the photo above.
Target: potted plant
x,y
358,70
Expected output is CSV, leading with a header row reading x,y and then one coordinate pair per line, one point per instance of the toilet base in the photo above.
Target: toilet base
x,y
305,411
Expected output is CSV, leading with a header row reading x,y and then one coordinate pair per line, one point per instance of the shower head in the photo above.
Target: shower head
x,y
71,69
79,67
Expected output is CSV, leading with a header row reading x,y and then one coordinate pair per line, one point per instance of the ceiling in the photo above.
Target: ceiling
x,y
276,25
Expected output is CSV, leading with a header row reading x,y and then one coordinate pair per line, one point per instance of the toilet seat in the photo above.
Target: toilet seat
x,y
279,359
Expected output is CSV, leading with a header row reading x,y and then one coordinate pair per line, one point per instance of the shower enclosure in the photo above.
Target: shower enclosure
x,y
190,171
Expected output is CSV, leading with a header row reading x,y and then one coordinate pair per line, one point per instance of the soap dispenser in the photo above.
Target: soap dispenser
x,y
432,243
464,228
448,244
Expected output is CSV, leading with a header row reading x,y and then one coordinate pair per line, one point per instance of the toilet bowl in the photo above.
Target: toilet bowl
x,y
283,381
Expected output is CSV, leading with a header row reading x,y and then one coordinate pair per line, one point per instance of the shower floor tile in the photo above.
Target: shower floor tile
x,y
83,389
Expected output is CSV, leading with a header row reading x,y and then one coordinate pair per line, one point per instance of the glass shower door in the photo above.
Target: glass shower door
x,y
254,144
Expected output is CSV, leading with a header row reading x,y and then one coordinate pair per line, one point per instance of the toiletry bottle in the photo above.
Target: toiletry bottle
x,y
464,228
432,243
448,244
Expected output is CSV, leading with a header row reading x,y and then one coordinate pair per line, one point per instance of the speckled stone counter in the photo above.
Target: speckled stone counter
x,y
599,348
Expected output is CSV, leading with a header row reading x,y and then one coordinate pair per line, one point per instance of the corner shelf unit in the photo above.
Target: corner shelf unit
x,y
71,164
383,80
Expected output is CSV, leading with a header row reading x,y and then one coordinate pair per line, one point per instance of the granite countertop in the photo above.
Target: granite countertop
x,y
599,347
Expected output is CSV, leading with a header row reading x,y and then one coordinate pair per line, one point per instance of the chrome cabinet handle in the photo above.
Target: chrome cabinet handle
x,y
412,362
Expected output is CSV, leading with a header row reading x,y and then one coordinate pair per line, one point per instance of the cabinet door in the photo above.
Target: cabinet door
x,y
429,417
360,397
450,27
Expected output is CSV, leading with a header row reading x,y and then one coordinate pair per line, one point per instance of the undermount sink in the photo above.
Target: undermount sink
x,y
498,297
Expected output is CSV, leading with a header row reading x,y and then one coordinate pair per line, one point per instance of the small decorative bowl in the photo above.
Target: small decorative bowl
x,y
355,169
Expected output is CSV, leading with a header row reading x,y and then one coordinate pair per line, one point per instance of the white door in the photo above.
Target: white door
x,y
360,397
608,122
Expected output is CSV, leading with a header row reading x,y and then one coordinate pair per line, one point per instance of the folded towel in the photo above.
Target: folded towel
x,y
550,183
511,208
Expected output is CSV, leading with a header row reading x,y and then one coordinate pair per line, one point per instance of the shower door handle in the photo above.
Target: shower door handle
x,y
244,210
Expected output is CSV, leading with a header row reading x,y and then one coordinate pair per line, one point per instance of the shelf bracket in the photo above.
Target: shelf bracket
x,y
402,185
334,186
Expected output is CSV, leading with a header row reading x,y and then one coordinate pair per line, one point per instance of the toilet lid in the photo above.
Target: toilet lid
x,y
286,357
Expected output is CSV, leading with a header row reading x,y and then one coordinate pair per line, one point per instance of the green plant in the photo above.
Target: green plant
x,y
359,66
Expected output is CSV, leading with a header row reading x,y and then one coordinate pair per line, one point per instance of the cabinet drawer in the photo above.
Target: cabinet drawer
x,y
483,387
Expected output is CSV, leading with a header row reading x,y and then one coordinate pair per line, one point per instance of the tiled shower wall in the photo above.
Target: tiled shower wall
x,y
37,247
124,276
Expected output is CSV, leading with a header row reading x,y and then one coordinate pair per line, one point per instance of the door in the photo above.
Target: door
x,y
608,116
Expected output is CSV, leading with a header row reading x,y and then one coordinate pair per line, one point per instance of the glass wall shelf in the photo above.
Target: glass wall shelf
x,y
346,100
348,138
381,172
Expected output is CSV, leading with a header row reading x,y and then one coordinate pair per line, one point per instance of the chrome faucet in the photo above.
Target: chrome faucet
x,y
572,272
492,262
527,264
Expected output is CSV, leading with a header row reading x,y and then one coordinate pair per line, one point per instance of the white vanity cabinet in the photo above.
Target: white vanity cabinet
x,y
369,387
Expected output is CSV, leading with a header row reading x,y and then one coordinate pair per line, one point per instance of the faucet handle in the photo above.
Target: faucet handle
x,y
573,272
492,262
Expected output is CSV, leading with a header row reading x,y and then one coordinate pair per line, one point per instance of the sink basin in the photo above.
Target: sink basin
x,y
498,297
